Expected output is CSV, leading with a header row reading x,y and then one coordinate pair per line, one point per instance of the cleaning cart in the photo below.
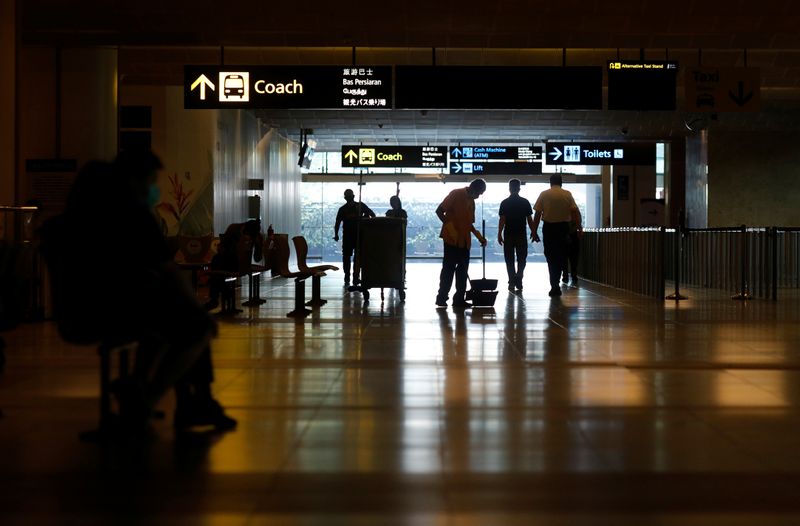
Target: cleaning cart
x,y
483,292
382,255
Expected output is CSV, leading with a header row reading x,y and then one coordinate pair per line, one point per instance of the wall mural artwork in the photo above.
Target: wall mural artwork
x,y
188,205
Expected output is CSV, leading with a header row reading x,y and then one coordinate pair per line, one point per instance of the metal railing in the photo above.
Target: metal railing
x,y
631,259
747,262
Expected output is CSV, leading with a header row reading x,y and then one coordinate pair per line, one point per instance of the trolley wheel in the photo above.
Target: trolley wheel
x,y
366,294
402,294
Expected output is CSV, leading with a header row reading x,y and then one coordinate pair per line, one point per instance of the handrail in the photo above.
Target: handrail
x,y
6,208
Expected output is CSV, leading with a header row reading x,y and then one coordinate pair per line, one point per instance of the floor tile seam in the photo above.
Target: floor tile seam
x,y
291,451
731,440
626,304
232,380
733,372
599,452
702,365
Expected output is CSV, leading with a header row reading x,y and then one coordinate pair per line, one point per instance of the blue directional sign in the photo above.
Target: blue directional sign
x,y
494,168
496,153
602,153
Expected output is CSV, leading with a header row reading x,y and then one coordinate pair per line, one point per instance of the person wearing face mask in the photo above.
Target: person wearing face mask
x,y
108,237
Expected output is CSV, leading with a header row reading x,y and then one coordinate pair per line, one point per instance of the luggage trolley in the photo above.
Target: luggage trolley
x,y
382,255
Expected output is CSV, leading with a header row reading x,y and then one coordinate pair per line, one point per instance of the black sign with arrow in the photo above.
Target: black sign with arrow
x,y
371,156
602,153
478,169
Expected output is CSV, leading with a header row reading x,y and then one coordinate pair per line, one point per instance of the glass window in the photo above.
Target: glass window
x,y
321,201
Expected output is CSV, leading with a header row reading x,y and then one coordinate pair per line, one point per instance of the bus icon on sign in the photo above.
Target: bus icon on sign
x,y
235,86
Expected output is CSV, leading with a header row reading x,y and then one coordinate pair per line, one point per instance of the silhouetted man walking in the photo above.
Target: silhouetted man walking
x,y
557,207
514,212
349,214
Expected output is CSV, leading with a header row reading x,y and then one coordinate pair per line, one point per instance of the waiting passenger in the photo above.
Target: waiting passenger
x,y
238,247
108,236
397,208
350,214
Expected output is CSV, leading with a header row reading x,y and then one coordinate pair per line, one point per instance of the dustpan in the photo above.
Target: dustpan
x,y
483,291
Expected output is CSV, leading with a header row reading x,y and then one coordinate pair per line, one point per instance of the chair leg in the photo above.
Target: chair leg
x,y
300,311
316,293
254,290
229,297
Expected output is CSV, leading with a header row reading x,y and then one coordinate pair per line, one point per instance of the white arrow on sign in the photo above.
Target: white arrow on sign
x,y
556,154
457,168
202,81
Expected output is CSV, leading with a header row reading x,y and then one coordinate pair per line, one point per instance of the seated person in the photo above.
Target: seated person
x,y
109,236
397,208
238,247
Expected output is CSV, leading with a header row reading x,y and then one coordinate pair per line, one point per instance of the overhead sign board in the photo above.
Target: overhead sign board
x,y
642,85
498,87
605,153
723,89
494,168
394,156
491,153
284,87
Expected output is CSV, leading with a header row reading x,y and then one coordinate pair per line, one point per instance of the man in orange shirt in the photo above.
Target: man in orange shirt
x,y
457,213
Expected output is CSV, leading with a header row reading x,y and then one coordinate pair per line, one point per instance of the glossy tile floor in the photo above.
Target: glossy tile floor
x,y
598,408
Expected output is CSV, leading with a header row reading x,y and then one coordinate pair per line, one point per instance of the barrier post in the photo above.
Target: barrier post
x,y
774,255
676,268
744,293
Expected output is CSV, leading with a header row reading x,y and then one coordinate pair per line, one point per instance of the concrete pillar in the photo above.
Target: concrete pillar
x,y
607,207
697,180
8,80
89,104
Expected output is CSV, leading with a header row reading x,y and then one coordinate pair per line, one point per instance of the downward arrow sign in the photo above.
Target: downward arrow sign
x,y
740,98
556,154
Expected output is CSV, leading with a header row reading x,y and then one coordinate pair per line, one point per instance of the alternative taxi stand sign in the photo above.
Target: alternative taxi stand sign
x,y
286,87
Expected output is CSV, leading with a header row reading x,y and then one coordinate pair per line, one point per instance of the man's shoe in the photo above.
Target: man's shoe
x,y
209,413
574,282
554,292
510,287
441,304
462,305
565,278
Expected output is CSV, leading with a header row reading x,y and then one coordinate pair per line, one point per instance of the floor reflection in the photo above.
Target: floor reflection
x,y
596,406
